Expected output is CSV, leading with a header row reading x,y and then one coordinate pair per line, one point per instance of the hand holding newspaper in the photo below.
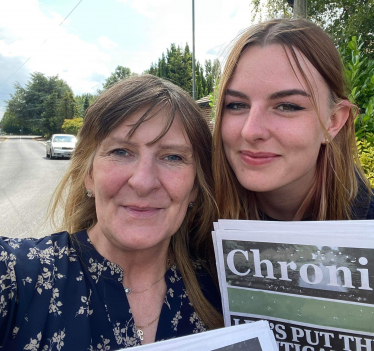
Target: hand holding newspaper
x,y
313,281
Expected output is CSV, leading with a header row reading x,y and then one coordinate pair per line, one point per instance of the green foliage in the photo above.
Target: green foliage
x,y
72,126
342,19
10,125
213,101
359,70
68,107
366,157
176,66
51,120
34,107
120,73
84,101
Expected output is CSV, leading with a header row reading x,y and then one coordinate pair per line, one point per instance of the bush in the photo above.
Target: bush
x,y
72,126
366,157
359,69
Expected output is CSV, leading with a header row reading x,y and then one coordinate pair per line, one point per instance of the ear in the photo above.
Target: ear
x,y
338,118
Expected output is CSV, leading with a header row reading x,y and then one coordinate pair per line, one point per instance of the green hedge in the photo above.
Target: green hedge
x,y
366,156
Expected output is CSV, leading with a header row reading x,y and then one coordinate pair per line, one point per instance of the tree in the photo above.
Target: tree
x,y
11,124
17,110
212,74
342,19
51,121
68,106
72,126
176,66
84,101
120,73
28,105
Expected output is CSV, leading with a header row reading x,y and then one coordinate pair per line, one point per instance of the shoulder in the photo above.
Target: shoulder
x,y
26,258
363,205
370,213
30,247
18,246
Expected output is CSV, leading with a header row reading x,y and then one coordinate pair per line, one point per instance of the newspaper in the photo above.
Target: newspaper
x,y
252,337
313,281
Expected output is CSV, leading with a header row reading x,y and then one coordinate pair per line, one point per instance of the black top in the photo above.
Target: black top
x,y
59,293
362,207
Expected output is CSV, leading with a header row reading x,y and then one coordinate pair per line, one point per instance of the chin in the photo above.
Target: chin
x,y
258,187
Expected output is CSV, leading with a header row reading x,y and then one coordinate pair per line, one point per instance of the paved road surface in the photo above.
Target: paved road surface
x,y
27,181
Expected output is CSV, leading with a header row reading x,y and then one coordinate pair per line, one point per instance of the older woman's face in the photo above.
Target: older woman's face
x,y
270,130
142,191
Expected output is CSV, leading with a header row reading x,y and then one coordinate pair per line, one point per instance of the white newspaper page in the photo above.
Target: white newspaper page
x,y
250,337
313,281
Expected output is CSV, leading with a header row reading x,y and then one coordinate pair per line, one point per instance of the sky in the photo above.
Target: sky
x,y
99,35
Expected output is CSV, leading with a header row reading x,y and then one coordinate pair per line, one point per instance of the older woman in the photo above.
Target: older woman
x,y
137,197
284,139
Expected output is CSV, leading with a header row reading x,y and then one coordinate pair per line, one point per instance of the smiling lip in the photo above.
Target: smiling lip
x,y
141,212
258,158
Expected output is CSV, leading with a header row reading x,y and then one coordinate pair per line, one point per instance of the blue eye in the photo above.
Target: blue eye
x,y
120,152
173,158
236,106
289,107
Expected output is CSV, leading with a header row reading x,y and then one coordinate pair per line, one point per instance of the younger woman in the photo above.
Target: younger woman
x,y
284,139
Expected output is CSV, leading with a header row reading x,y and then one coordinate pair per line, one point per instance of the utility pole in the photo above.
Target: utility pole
x,y
300,9
193,51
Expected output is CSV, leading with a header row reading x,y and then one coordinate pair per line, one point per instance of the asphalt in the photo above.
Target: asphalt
x,y
27,181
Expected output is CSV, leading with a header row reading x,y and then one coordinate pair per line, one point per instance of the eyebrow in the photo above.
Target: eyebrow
x,y
277,95
236,93
182,148
179,147
285,93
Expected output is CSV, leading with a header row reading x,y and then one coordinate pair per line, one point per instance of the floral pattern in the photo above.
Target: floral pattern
x,y
58,293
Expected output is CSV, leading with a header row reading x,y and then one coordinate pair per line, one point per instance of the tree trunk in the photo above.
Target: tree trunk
x,y
299,9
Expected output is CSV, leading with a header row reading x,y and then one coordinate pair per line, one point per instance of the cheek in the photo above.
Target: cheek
x,y
180,186
231,129
305,131
109,181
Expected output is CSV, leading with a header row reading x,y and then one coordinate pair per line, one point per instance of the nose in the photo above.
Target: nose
x,y
144,178
256,126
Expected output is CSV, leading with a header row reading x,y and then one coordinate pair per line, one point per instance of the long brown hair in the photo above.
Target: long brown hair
x,y
113,107
335,185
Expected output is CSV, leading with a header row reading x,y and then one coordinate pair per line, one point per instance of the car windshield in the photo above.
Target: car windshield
x,y
64,139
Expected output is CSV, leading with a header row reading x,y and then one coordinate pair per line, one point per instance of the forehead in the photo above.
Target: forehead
x,y
272,65
151,128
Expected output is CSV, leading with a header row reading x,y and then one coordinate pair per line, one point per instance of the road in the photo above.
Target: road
x,y
27,181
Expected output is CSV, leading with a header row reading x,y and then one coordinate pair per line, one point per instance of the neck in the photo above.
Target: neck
x,y
141,267
282,204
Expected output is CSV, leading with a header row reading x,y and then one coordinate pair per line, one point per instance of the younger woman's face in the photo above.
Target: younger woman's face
x,y
270,130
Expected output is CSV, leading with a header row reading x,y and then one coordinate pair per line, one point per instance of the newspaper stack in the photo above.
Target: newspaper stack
x,y
254,337
313,281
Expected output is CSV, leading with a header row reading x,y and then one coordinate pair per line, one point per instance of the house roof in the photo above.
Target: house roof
x,y
203,102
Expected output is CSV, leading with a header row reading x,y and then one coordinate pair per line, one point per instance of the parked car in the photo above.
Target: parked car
x,y
60,145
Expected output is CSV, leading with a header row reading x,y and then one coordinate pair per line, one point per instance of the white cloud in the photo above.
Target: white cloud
x,y
84,65
148,8
217,23
106,43
24,30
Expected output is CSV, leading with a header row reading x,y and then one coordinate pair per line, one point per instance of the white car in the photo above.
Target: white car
x,y
60,145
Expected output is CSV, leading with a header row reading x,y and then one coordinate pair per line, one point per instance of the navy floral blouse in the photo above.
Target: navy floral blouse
x,y
59,293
